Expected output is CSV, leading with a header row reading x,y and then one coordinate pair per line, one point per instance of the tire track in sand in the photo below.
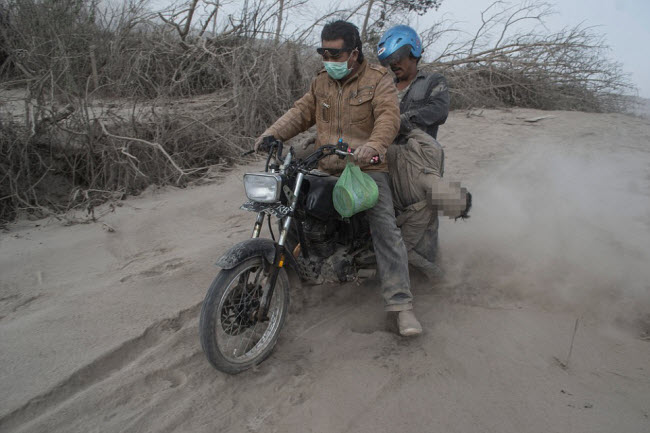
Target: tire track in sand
x,y
98,370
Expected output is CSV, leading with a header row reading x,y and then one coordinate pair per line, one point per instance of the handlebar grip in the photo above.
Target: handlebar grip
x,y
268,143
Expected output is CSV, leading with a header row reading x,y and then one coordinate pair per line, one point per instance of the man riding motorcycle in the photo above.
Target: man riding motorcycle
x,y
356,102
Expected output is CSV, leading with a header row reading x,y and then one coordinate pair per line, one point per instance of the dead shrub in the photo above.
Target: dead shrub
x,y
119,98
513,60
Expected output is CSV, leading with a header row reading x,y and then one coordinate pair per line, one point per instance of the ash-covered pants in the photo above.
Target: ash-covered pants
x,y
392,261
416,164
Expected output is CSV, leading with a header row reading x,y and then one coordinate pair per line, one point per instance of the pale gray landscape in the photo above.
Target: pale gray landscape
x,y
99,326
123,133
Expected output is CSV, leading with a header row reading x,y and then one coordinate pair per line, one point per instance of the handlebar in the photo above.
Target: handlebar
x,y
311,160
373,161
344,153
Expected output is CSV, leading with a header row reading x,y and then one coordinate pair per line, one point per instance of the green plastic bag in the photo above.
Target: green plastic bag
x,y
354,192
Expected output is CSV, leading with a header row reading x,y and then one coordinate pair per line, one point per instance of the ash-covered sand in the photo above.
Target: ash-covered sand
x,y
98,329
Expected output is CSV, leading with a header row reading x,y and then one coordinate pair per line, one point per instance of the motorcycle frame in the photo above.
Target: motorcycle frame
x,y
279,259
266,247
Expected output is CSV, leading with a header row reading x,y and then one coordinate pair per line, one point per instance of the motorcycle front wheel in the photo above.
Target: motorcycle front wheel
x,y
231,336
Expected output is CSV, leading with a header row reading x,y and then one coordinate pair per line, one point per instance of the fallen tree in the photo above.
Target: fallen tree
x,y
118,99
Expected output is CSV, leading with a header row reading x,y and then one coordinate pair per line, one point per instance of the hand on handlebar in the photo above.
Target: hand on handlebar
x,y
263,143
367,154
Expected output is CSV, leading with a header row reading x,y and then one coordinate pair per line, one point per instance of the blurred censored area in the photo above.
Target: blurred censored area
x,y
450,198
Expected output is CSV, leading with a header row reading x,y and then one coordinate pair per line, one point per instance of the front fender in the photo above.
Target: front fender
x,y
255,247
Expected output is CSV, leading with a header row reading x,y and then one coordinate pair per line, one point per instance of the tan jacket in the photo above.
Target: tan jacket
x,y
364,110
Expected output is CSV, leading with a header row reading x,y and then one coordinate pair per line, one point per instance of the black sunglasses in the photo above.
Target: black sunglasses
x,y
332,52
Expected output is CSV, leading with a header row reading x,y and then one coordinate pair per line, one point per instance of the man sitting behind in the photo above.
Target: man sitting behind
x,y
424,105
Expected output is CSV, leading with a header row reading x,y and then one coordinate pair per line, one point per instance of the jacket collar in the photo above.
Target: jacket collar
x,y
362,68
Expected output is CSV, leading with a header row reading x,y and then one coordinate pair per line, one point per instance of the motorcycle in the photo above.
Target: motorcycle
x,y
247,303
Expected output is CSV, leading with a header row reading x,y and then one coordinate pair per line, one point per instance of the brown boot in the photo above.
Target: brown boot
x,y
408,324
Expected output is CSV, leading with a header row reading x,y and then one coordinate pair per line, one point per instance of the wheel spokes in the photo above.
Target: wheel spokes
x,y
238,318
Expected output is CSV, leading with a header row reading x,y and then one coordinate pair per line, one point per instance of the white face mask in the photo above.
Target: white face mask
x,y
337,70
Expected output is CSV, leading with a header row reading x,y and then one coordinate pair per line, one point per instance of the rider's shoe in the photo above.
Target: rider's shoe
x,y
408,324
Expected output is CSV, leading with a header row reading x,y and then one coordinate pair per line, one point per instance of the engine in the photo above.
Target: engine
x,y
320,237
329,258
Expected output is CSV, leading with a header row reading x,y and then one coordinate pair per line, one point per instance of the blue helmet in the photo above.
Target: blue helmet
x,y
397,42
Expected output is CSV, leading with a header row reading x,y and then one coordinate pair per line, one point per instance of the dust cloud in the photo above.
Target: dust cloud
x,y
560,228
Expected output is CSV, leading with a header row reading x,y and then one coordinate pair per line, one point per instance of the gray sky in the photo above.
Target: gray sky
x,y
624,23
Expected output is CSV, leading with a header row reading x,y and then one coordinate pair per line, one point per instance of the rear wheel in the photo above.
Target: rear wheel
x,y
232,337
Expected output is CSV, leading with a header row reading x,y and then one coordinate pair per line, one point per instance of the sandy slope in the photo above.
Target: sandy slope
x,y
98,329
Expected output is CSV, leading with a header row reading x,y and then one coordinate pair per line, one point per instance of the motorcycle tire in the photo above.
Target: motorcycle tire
x,y
226,317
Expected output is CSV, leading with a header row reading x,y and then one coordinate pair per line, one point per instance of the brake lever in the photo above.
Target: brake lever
x,y
343,150
343,154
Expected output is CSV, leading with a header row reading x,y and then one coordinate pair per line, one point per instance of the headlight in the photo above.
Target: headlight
x,y
263,187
